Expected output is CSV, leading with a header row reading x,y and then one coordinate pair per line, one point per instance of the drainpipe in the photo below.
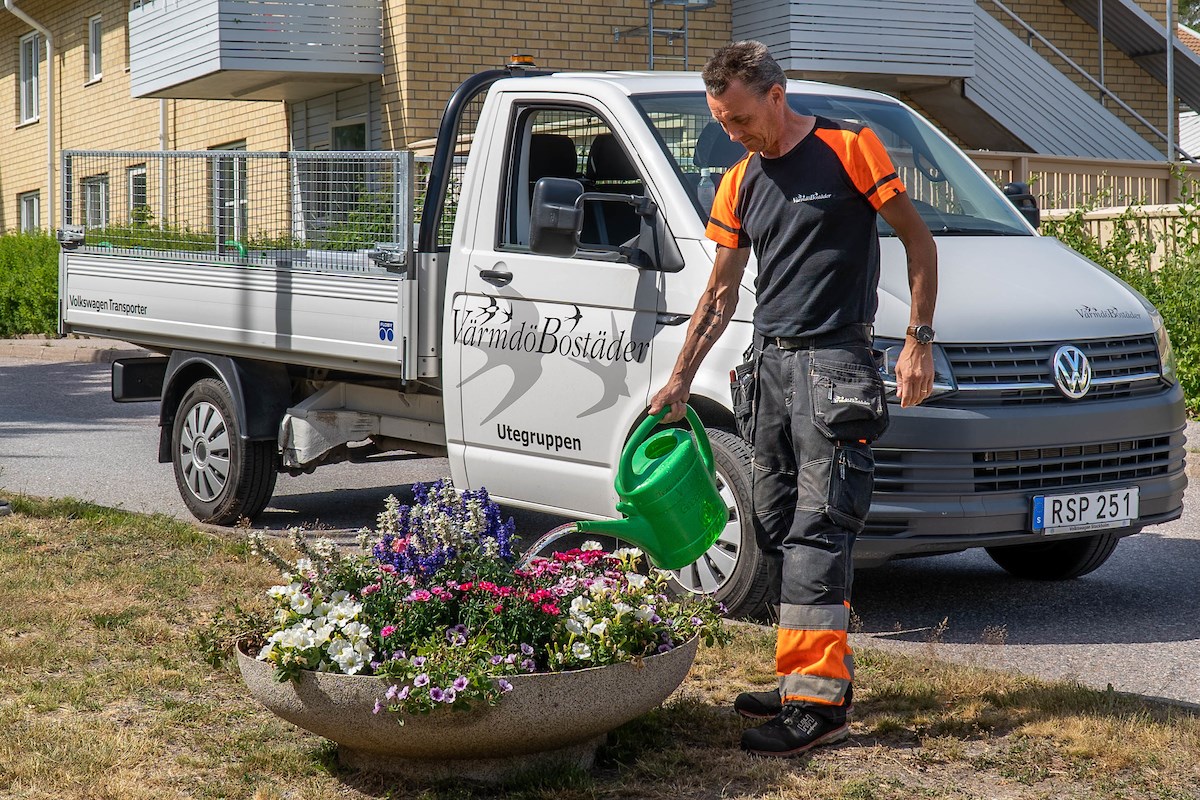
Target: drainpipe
x,y
1171,157
49,37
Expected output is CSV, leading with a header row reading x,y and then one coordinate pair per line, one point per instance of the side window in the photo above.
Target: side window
x,y
570,143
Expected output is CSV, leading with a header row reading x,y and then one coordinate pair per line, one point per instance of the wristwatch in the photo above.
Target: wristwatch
x,y
922,333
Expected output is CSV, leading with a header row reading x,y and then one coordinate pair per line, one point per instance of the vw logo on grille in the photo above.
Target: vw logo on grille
x,y
1072,372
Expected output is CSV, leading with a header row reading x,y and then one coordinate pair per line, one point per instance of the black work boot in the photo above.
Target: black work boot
x,y
758,705
796,730
764,705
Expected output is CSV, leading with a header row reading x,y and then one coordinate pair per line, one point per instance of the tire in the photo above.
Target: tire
x,y
733,570
1055,561
222,478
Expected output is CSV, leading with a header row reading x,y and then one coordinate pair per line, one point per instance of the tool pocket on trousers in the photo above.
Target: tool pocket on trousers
x,y
851,481
743,386
848,401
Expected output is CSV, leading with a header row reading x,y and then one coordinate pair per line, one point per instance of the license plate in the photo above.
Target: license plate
x,y
1085,511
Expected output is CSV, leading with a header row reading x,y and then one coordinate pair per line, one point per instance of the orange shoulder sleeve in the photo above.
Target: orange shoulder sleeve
x,y
724,224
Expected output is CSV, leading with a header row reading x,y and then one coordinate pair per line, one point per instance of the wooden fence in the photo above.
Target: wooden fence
x,y
1063,182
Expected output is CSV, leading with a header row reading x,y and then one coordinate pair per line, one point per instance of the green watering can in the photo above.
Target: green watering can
x,y
668,490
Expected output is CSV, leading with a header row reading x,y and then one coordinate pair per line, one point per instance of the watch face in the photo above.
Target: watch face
x,y
923,334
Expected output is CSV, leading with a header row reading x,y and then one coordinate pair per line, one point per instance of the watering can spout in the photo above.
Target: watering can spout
x,y
635,530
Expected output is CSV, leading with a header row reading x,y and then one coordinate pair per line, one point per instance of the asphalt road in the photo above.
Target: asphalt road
x,y
1133,624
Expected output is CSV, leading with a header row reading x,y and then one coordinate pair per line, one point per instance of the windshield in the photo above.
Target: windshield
x,y
952,198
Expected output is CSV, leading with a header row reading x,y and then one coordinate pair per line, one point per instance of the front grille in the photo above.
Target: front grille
x,y
1022,374
1031,469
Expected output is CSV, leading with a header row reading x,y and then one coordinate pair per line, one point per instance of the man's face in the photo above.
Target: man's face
x,y
753,121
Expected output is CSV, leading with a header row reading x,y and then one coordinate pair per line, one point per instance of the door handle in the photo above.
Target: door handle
x,y
672,319
496,276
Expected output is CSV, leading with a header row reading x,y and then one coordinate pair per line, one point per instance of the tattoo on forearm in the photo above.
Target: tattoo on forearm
x,y
709,324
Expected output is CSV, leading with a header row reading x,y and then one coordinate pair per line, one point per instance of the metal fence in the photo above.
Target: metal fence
x,y
340,211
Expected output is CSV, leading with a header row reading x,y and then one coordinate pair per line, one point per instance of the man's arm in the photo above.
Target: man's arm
x,y
709,321
914,369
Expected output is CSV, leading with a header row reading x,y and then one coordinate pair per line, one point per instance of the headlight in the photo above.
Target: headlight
x,y
943,376
1166,353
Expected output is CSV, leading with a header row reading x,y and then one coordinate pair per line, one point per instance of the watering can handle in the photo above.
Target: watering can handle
x,y
625,466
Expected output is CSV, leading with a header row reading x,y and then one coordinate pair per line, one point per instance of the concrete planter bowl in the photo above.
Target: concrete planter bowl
x,y
547,719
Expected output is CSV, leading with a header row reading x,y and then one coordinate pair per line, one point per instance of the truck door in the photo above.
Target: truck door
x,y
554,354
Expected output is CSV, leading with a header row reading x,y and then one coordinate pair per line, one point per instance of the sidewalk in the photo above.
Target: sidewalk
x,y
84,349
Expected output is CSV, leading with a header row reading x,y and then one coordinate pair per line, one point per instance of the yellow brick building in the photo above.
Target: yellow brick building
x,y
121,83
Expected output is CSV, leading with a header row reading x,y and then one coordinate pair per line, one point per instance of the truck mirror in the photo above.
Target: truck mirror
x,y
556,217
1019,195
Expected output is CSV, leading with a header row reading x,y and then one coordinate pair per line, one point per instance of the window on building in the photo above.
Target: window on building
x,y
31,46
139,202
349,136
95,201
95,70
31,210
229,193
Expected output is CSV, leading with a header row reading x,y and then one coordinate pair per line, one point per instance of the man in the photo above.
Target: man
x,y
806,198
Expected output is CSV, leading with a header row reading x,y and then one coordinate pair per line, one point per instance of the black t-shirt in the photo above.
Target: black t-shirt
x,y
810,217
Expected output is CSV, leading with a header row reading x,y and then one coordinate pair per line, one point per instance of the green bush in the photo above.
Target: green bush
x,y
28,284
1173,287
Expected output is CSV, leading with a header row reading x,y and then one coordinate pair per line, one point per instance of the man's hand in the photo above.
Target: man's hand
x,y
675,395
914,373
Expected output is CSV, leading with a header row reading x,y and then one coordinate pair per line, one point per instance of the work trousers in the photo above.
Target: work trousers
x,y
818,407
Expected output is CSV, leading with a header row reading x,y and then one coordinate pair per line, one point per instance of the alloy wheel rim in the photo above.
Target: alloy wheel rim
x,y
204,451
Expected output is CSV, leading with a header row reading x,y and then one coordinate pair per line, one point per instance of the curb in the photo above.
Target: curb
x,y
69,350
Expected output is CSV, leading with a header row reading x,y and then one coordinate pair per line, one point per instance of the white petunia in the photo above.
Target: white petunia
x,y
574,627
338,596
278,592
301,603
581,650
635,580
580,604
265,653
643,614
628,552
355,631
591,544
599,628
622,608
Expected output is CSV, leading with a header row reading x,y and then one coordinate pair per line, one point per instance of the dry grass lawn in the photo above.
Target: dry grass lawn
x,y
105,693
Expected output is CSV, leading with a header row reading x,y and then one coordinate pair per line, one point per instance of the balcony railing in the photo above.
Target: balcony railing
x,y
253,49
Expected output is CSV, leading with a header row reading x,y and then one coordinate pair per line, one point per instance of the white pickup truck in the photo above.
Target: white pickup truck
x,y
1056,426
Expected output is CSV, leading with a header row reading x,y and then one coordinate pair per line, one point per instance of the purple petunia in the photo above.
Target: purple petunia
x,y
528,665
460,683
448,695
496,660
378,706
436,694
526,650
421,680
504,685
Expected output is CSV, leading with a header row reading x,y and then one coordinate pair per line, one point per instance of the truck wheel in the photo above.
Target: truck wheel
x,y
1055,561
221,477
733,570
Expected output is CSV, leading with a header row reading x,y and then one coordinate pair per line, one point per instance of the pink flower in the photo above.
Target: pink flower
x,y
370,588
420,596
551,609
388,568
497,608
387,631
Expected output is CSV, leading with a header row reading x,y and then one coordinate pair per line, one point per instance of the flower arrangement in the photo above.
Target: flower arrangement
x,y
437,604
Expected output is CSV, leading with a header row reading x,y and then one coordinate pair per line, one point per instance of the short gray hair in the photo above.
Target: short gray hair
x,y
749,62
